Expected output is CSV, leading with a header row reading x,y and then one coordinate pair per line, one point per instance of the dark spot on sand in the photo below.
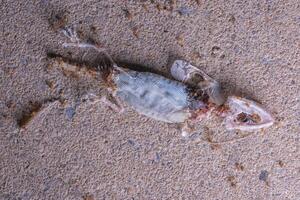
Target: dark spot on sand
x,y
50,84
185,11
157,156
93,28
28,114
233,36
91,40
135,31
280,163
239,166
232,181
231,18
293,82
88,197
58,20
198,2
180,40
131,142
128,14
51,54
159,7
10,104
263,176
142,96
214,50
215,146
145,7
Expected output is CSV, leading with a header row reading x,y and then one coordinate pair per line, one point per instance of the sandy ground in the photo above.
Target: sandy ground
x,y
82,150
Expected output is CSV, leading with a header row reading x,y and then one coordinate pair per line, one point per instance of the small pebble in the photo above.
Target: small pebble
x,y
185,11
263,175
157,156
24,60
70,112
131,142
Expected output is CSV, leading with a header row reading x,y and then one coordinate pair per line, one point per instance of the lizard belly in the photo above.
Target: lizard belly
x,y
153,95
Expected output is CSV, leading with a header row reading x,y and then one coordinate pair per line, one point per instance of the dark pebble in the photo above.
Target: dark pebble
x,y
293,82
185,11
70,112
157,156
131,142
263,175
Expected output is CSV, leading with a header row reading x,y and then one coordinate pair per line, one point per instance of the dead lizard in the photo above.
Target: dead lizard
x,y
192,96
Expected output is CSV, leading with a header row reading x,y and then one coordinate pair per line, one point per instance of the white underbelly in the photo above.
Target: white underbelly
x,y
153,95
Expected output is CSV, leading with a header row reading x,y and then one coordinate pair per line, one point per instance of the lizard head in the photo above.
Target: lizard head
x,y
246,115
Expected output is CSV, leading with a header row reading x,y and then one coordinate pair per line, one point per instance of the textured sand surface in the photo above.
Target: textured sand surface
x,y
83,150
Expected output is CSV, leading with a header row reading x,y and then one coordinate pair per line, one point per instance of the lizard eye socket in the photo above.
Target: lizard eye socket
x,y
246,115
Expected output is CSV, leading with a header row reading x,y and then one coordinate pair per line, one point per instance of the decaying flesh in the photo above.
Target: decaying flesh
x,y
192,96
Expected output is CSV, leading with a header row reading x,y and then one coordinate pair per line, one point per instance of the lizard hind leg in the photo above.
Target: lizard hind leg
x,y
108,100
113,103
187,73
